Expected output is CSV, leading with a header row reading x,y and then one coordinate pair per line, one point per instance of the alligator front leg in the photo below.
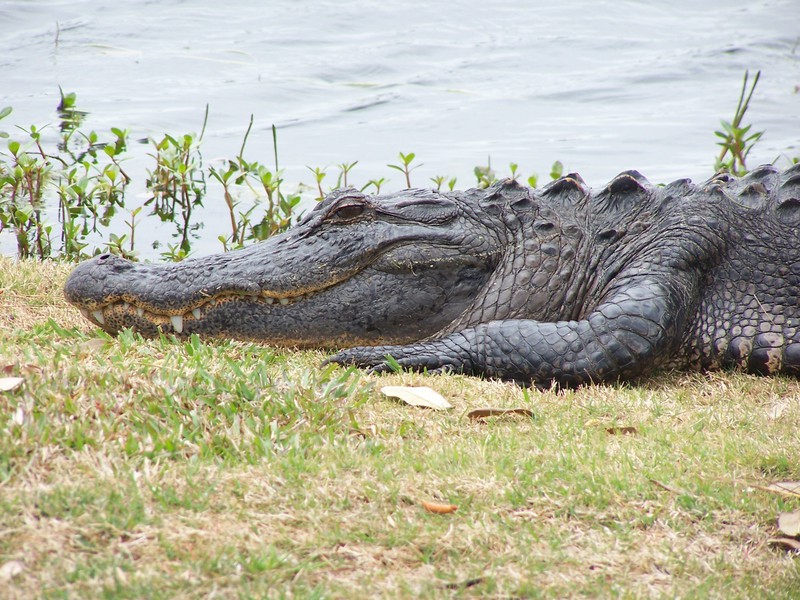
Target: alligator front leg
x,y
625,336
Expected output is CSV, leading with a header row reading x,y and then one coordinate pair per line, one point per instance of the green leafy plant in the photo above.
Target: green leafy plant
x,y
737,141
177,183
557,170
4,112
442,180
485,174
319,174
264,186
22,183
376,183
405,167
344,170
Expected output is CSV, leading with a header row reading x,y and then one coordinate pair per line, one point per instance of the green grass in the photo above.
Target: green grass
x,y
135,468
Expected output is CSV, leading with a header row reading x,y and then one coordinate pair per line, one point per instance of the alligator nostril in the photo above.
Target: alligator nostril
x,y
103,258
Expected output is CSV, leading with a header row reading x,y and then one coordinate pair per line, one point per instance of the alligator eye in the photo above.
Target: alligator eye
x,y
348,211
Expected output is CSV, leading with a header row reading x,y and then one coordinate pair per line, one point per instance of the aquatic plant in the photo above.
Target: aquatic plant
x,y
737,141
84,179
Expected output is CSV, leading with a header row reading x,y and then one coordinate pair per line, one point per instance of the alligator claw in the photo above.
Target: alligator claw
x,y
384,359
363,357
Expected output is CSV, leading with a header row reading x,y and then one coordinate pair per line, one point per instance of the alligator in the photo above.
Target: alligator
x,y
554,286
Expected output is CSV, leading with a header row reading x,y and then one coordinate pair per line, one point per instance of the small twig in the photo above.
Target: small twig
x,y
668,488
776,488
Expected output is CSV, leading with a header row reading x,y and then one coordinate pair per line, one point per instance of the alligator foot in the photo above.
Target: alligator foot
x,y
447,354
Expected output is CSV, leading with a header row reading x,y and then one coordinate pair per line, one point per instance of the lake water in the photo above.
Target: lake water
x,y
603,86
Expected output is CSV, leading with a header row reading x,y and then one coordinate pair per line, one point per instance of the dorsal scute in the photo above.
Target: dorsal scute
x,y
791,171
753,191
568,190
679,188
628,190
788,197
505,193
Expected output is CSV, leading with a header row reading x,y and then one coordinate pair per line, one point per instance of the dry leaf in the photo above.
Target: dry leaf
x,y
9,384
417,396
11,569
26,369
92,345
483,413
789,523
785,543
777,410
439,509
622,430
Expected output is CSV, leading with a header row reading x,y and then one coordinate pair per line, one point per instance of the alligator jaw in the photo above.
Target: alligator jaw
x,y
119,315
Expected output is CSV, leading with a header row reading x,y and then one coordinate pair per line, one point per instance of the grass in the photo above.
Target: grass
x,y
135,468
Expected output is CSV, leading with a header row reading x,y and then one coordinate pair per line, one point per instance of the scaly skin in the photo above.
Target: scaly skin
x,y
555,285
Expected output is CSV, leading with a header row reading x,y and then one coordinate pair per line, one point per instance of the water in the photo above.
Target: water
x,y
601,86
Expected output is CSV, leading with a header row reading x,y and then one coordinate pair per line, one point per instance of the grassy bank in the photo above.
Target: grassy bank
x,y
153,468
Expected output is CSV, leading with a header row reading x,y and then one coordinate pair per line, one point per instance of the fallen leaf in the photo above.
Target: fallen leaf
x,y
622,430
92,345
785,543
417,396
11,569
777,410
789,523
787,488
482,413
439,509
9,384
28,369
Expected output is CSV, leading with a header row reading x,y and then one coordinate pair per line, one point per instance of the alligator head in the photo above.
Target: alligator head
x,y
357,270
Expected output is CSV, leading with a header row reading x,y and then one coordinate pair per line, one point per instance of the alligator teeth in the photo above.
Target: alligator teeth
x,y
177,323
98,316
125,306
284,301
196,313
85,312
139,311
270,300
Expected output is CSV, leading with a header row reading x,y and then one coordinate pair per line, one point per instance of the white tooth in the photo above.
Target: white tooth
x,y
98,316
177,323
196,313
284,301
270,300
85,313
125,306
139,311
